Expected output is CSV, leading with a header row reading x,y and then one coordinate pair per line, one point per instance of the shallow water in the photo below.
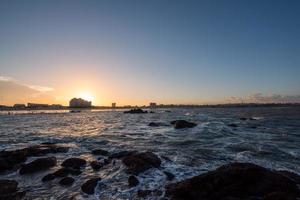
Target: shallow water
x,y
272,140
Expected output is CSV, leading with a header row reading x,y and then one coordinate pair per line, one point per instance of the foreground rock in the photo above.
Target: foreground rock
x,y
75,163
140,162
236,181
9,190
37,165
96,165
136,111
62,172
178,124
12,160
89,186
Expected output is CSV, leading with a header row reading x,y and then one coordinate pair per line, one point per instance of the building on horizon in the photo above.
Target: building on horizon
x,y
113,105
79,103
37,105
19,106
152,105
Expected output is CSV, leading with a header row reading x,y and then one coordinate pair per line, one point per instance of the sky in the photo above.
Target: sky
x,y
140,51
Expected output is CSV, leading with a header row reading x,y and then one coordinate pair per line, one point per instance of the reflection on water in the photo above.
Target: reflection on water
x,y
271,139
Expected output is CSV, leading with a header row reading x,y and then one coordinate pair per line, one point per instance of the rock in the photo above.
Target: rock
x,y
233,125
43,149
278,196
74,163
141,162
178,124
89,186
136,111
13,196
8,186
39,164
143,193
121,154
234,181
133,181
48,177
100,152
96,165
66,181
243,118
169,175
291,175
156,124
63,172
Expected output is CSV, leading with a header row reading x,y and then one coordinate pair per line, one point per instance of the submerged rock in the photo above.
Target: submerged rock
x,y
74,163
141,162
48,177
96,165
233,125
235,181
89,186
136,111
100,152
156,124
169,175
178,124
39,164
133,181
66,181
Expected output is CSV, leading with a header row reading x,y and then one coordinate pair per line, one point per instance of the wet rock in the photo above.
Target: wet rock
x,y
156,124
141,162
233,181
89,186
48,177
243,118
133,181
291,175
178,124
74,163
43,149
13,196
100,152
96,165
121,154
233,125
279,196
143,193
136,111
9,190
39,164
66,181
63,172
169,175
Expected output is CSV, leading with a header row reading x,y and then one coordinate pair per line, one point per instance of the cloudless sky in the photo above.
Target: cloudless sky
x,y
133,52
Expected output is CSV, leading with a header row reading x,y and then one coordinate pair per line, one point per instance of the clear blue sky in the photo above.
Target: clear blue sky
x,y
154,50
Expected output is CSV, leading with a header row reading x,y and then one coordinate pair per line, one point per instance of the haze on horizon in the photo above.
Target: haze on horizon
x,y
136,52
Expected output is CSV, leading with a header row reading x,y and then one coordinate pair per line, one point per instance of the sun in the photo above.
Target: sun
x,y
86,96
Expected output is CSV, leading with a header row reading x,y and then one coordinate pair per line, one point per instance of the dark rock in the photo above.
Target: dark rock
x,y
291,175
121,154
39,164
133,181
63,172
48,177
74,163
66,181
279,196
100,152
141,162
43,149
143,193
178,124
8,186
243,118
169,175
96,165
89,186
136,111
13,196
156,124
233,125
233,181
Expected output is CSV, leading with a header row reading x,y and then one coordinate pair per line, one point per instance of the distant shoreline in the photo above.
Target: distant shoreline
x,y
243,105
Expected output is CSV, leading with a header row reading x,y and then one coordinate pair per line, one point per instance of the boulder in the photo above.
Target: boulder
x,y
66,181
235,181
89,186
100,152
9,190
136,111
39,164
140,162
96,165
178,124
133,181
48,177
75,163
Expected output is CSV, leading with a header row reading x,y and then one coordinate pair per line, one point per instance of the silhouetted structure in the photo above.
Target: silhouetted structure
x,y
37,105
19,106
113,105
152,105
79,103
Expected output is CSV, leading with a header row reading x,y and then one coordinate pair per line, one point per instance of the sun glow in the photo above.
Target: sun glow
x,y
86,96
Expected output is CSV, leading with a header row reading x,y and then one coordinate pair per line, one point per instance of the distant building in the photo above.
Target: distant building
x,y
19,106
152,105
56,106
37,105
113,105
79,103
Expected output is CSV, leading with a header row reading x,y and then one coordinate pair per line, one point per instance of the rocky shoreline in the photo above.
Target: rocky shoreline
x,y
234,181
